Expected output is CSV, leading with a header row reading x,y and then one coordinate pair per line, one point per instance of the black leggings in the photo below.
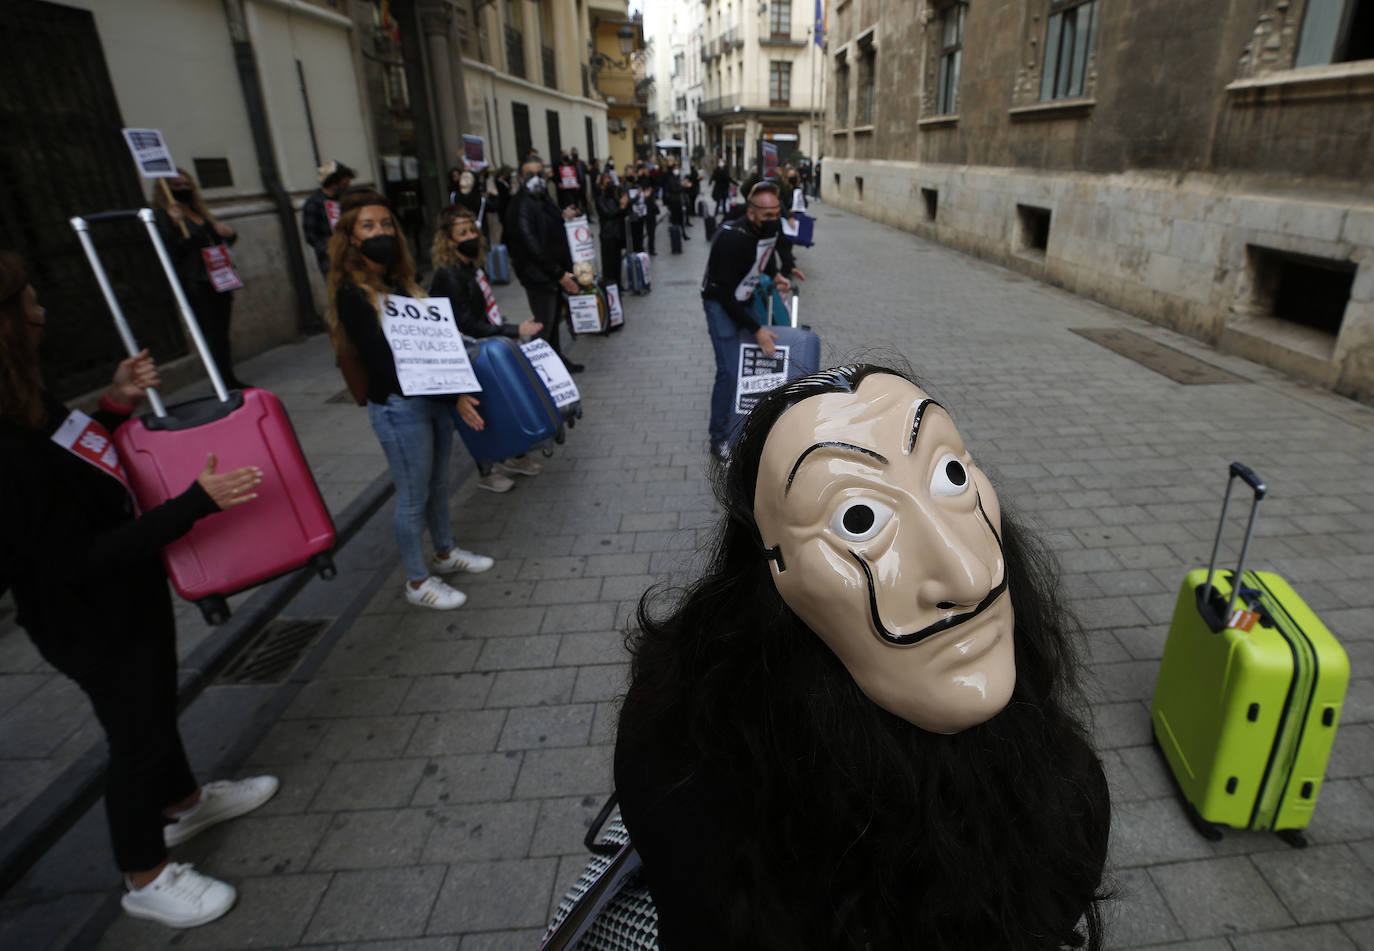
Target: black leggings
x,y
132,682
212,313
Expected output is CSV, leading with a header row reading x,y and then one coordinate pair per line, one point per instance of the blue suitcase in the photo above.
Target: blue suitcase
x,y
675,239
498,265
519,413
803,357
806,230
632,275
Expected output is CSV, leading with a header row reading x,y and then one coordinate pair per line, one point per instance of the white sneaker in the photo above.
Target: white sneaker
x,y
522,465
496,482
460,560
180,897
219,801
433,593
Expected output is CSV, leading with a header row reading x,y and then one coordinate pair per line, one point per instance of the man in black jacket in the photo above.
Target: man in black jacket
x,y
539,251
742,250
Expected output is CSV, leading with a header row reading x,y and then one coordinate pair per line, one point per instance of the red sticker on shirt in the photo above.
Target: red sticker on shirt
x,y
331,211
221,268
493,312
86,439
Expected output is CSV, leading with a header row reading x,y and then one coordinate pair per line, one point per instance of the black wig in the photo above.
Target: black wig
x,y
843,825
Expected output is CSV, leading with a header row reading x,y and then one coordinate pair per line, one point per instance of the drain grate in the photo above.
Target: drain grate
x,y
343,396
1175,364
274,653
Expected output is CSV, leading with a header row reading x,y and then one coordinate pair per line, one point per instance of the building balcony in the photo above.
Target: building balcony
x,y
718,106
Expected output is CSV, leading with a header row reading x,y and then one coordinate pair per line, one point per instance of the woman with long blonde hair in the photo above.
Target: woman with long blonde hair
x,y
458,255
188,228
367,260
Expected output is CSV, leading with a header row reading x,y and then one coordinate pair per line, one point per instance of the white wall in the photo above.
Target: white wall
x,y
490,95
280,37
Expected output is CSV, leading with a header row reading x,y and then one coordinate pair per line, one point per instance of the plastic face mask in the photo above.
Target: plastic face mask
x,y
885,540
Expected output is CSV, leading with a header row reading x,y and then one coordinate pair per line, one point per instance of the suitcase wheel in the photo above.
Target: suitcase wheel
x,y
1208,830
214,609
324,564
1293,837
547,451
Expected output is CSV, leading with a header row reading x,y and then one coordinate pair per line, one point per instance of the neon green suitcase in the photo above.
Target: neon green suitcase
x,y
1249,695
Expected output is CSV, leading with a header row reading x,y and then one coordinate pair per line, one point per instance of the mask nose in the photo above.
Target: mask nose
x,y
957,558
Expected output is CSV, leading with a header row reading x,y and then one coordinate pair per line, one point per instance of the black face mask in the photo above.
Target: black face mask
x,y
768,229
380,248
183,195
470,247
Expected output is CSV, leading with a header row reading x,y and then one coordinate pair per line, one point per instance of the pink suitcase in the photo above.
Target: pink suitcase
x,y
285,527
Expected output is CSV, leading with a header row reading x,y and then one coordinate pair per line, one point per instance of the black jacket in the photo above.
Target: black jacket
x,y
71,547
734,254
459,285
536,239
720,184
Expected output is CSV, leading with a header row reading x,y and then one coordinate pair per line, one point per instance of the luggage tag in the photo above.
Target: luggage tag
x,y
90,442
220,265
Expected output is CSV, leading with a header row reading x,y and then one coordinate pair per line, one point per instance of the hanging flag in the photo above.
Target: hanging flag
x,y
819,30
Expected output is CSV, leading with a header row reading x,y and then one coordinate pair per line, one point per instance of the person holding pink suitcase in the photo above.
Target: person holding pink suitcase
x,y
367,259
66,517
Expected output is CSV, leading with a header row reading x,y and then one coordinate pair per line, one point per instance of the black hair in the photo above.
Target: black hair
x,y
338,175
852,827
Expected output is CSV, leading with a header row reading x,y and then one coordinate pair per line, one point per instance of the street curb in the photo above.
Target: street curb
x,y
26,837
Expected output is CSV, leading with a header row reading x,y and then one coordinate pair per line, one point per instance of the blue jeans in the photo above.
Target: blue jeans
x,y
725,342
417,436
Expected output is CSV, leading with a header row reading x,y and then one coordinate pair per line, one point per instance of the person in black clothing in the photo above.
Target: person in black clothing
x,y
693,183
675,196
720,186
741,251
651,209
188,229
66,514
321,209
368,260
539,251
456,253
637,211
612,207
779,789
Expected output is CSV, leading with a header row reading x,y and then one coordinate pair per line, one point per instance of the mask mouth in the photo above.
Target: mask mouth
x,y
945,623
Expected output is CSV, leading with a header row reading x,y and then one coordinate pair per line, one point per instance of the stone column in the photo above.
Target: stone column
x,y
436,25
566,41
534,57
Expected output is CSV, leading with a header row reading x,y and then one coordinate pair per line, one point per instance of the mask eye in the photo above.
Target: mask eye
x,y
951,477
858,520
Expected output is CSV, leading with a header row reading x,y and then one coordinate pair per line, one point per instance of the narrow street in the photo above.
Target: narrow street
x,y
439,769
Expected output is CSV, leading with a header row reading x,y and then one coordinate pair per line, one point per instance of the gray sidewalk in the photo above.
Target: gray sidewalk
x,y
439,769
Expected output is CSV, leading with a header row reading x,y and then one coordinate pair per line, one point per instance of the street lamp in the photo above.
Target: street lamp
x,y
598,60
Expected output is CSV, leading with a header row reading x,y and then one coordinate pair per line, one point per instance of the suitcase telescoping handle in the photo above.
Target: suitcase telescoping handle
x,y
81,225
1244,472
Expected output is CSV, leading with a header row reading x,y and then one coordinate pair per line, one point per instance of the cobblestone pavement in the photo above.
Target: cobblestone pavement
x,y
439,769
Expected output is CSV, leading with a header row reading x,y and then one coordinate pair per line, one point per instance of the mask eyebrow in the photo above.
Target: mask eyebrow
x,y
921,408
847,447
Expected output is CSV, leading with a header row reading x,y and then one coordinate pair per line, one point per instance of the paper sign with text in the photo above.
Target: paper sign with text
x,y
86,439
551,370
220,266
615,314
585,313
151,155
758,374
474,152
431,359
567,178
580,241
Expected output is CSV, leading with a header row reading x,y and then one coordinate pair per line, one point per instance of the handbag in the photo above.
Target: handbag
x,y
609,907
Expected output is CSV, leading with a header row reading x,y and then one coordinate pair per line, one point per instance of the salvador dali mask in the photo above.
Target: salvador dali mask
x,y
885,540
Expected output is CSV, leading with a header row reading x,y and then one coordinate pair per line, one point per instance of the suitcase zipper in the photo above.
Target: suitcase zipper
x,y
1298,703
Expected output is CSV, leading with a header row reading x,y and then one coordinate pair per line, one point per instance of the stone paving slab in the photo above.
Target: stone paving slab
x,y
439,769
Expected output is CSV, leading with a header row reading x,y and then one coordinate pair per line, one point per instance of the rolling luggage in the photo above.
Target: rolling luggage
x,y
769,307
519,413
284,528
643,258
498,265
806,230
1249,695
803,355
710,226
674,239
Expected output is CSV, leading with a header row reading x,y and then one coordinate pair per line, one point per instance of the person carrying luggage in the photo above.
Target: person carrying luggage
x,y
741,251
368,259
188,229
637,212
720,186
457,253
650,190
675,196
539,250
67,518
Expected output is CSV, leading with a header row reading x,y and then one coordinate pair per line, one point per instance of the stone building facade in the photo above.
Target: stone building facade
x,y
1211,172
